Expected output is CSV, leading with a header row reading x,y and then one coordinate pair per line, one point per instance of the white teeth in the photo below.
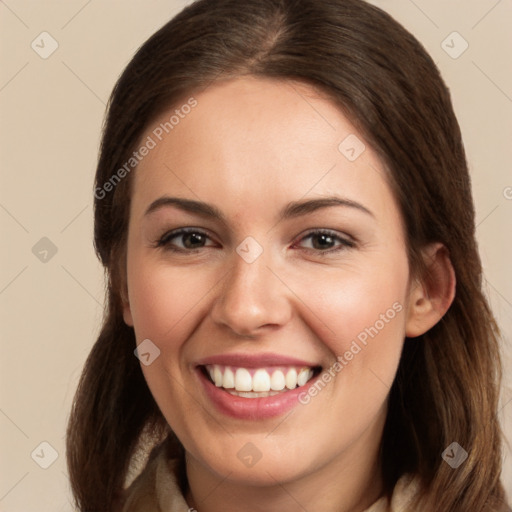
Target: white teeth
x,y
253,394
217,376
291,378
243,380
277,381
261,383
229,379
303,377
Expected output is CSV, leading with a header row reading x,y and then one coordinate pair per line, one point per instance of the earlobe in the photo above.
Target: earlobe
x,y
120,282
125,301
127,313
430,297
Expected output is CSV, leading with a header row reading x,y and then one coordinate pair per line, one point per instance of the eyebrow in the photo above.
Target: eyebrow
x,y
291,210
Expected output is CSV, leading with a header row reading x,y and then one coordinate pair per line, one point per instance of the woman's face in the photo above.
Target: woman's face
x,y
267,263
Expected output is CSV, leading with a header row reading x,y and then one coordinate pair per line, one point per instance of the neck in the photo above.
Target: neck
x,y
349,482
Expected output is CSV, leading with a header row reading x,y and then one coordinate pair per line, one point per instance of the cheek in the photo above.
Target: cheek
x,y
360,318
163,299
357,303
359,315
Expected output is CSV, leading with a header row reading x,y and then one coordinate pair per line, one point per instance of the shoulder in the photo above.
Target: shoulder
x,y
156,488
141,494
406,489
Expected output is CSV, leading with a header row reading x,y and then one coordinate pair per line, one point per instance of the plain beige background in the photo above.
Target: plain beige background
x,y
51,115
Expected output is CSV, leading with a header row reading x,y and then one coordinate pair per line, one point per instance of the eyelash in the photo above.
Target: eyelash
x,y
164,241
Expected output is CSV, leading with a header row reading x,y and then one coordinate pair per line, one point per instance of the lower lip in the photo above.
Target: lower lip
x,y
252,408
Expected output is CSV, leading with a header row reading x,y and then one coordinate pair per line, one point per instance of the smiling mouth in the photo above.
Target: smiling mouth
x,y
258,382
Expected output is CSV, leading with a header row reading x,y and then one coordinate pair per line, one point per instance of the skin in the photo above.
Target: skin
x,y
250,147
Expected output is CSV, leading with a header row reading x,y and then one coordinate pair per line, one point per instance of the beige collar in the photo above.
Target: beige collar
x,y
157,489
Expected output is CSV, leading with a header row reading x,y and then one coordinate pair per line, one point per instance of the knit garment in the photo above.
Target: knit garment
x,y
156,489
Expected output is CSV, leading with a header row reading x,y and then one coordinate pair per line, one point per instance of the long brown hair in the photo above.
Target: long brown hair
x,y
448,380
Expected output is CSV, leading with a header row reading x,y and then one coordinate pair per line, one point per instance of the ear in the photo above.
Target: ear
x,y
125,302
119,282
430,297
127,312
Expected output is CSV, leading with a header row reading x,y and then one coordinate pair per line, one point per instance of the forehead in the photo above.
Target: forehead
x,y
256,143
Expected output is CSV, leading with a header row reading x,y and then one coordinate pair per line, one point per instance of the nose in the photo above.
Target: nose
x,y
252,298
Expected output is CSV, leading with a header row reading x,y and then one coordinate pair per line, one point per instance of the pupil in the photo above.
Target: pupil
x,y
323,241
192,240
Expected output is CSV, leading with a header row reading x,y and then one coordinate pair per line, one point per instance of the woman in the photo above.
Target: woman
x,y
295,317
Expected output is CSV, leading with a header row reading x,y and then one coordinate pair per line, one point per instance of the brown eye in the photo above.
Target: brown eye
x,y
193,240
324,241
184,240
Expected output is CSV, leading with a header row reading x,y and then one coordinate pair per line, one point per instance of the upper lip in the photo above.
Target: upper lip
x,y
254,360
